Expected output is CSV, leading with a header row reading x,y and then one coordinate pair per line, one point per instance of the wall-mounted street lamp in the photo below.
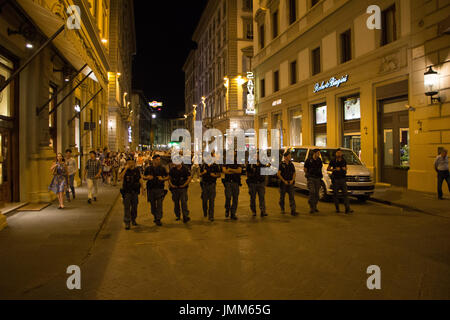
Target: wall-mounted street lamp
x,y
431,79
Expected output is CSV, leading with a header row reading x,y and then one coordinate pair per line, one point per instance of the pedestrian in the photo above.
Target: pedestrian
x,y
256,186
115,168
441,167
72,169
107,169
287,176
92,173
156,176
195,169
209,174
180,178
338,170
59,181
131,176
313,172
232,183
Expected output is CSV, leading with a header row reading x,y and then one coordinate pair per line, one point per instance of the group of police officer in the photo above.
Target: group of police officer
x,y
179,177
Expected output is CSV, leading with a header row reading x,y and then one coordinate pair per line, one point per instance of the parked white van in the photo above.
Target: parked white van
x,y
359,179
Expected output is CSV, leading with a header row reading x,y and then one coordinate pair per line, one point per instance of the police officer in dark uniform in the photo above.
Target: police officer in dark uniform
x,y
287,175
338,170
209,174
180,177
256,186
131,176
156,176
232,183
313,172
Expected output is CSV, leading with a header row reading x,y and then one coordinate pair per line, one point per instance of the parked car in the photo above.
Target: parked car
x,y
359,179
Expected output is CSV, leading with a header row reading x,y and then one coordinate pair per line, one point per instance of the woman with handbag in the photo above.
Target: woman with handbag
x,y
59,181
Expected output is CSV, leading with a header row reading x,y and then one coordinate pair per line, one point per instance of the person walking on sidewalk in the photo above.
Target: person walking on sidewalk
x,y
59,181
156,176
72,169
232,183
131,176
115,169
442,169
256,186
209,174
92,173
314,175
338,170
180,177
195,169
287,176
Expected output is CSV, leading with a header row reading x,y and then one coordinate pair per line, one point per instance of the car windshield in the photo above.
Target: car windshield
x,y
349,156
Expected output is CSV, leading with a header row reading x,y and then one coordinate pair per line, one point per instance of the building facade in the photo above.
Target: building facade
x,y
216,72
60,99
324,78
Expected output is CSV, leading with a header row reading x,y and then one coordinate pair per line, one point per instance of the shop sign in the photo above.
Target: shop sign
x,y
277,103
333,82
250,94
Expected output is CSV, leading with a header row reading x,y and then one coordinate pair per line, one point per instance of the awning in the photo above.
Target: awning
x,y
68,42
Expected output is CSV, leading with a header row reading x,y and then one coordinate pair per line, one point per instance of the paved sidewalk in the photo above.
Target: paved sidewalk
x,y
413,200
41,245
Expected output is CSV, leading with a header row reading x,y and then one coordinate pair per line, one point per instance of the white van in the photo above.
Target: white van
x,y
359,179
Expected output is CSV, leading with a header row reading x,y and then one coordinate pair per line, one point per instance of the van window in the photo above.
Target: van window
x,y
299,155
349,156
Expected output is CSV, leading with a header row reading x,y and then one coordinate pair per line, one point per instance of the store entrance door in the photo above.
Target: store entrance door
x,y
394,142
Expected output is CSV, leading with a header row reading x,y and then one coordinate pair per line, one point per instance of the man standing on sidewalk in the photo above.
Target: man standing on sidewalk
x,y
180,177
287,175
156,176
338,170
209,174
93,172
131,177
232,183
441,166
256,186
313,172
72,169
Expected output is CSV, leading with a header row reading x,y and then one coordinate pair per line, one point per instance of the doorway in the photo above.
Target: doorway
x,y
394,141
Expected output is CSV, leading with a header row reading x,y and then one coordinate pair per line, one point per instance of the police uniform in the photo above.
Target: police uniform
x,y
232,183
179,177
339,179
314,176
155,190
208,185
130,193
256,186
287,171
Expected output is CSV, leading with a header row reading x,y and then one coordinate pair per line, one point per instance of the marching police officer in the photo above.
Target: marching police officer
x,y
232,183
256,186
287,175
180,177
131,176
313,172
338,169
209,174
156,176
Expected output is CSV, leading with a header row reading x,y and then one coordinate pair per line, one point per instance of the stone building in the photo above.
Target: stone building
x,y
216,72
324,78
60,99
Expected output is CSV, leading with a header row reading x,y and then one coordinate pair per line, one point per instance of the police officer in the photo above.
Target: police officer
x,y
131,177
287,175
156,176
338,170
313,172
232,183
209,174
179,179
256,186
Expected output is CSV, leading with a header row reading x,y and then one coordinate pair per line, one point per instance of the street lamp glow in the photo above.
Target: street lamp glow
x,y
104,41
29,46
153,116
240,80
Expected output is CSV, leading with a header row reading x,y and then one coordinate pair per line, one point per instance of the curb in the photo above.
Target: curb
x,y
405,207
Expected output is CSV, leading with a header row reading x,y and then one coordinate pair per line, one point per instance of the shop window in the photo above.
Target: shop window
x,y
320,125
404,147
292,11
316,63
6,67
346,46
277,123
264,124
352,123
295,127
388,26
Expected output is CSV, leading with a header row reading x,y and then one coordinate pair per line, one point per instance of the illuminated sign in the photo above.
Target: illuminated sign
x,y
250,94
277,103
333,82
155,104
130,136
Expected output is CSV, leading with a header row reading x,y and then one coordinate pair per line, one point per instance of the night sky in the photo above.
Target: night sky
x,y
164,32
